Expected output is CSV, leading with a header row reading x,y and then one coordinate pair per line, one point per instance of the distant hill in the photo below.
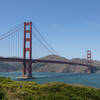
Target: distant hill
x,y
48,67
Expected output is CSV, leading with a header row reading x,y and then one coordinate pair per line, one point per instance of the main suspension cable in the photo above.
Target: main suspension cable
x,y
44,39
7,35
11,30
42,42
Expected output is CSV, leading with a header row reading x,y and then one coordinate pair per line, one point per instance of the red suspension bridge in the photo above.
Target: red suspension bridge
x,y
14,40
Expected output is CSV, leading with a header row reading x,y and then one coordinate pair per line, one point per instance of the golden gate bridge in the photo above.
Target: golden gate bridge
x,y
15,41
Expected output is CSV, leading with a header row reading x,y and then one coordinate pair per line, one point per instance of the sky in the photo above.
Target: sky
x,y
70,26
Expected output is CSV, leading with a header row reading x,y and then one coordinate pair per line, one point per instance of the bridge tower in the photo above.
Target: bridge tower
x,y
89,60
89,57
27,50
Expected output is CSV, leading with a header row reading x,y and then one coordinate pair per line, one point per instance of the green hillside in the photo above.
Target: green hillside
x,y
19,90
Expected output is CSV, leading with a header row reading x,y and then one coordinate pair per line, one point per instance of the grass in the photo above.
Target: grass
x,y
19,90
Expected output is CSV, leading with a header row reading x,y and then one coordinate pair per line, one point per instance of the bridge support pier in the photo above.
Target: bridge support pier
x,y
27,50
88,70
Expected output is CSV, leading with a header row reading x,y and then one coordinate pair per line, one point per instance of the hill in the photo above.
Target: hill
x,y
47,67
21,90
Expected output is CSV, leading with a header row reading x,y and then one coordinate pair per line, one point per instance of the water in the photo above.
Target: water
x,y
73,78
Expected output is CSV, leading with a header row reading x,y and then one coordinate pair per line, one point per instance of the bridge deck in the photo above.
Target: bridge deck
x,y
43,61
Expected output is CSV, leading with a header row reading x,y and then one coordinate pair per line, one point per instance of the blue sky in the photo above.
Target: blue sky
x,y
70,26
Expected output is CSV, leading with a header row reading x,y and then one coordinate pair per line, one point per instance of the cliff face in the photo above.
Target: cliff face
x,y
47,67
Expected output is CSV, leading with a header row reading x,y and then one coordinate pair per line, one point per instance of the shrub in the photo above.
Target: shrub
x,y
2,94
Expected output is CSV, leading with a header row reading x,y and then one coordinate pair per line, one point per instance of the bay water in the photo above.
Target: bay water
x,y
92,80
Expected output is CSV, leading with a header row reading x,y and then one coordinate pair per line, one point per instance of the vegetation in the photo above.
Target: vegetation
x,y
21,90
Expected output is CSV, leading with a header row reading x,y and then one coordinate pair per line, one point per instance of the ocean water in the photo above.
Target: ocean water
x,y
92,80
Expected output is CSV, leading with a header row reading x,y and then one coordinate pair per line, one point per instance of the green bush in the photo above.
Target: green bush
x,y
2,94
21,90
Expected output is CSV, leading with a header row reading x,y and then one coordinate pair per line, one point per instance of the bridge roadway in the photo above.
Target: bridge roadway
x,y
8,59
